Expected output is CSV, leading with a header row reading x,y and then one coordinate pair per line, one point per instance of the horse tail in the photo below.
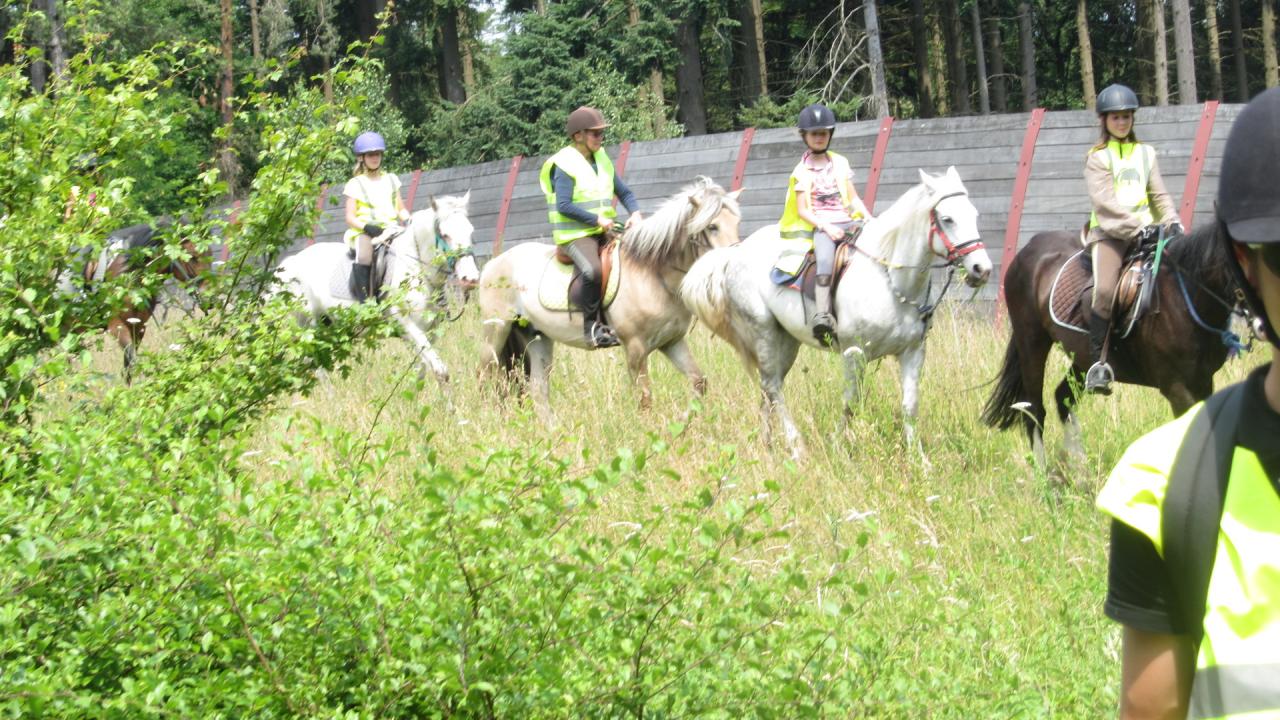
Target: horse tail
x,y
705,291
999,411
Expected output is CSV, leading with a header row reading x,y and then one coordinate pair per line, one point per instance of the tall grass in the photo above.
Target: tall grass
x,y
985,576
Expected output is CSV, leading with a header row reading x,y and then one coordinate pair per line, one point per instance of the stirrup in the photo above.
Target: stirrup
x,y
823,326
602,336
1098,379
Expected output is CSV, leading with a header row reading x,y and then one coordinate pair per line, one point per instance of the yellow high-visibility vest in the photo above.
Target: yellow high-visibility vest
x,y
1238,662
592,191
1130,165
794,227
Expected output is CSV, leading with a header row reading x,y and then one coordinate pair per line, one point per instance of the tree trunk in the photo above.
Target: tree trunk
x,y
689,100
464,45
920,44
1160,48
367,12
1185,52
1269,42
226,159
1144,52
659,119
452,87
325,43
255,36
755,75
1026,37
956,69
938,66
1086,55
57,41
1237,49
999,93
1215,49
879,92
979,53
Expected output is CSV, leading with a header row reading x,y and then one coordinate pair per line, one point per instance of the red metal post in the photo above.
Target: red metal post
x,y
324,193
1014,224
877,163
621,166
506,203
1192,187
744,149
413,189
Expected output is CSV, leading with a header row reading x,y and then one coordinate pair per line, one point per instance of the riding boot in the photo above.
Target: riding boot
x,y
360,278
823,324
594,328
1098,379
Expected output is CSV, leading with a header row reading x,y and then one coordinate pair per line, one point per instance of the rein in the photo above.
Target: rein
x,y
1229,339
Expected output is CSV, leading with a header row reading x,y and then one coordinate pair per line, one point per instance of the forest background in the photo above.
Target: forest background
x,y
466,82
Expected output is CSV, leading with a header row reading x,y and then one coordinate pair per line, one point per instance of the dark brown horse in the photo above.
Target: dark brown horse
x,y
1176,347
136,251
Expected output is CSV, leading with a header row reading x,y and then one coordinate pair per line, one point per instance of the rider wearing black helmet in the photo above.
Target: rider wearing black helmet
x,y
1129,198
821,204
1200,637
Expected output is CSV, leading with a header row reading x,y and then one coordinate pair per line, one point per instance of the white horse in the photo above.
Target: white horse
x,y
882,303
418,260
646,312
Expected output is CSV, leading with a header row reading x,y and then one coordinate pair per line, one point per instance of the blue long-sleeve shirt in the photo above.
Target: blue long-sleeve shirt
x,y
563,184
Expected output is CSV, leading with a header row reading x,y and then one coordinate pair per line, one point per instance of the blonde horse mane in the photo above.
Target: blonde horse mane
x,y
687,214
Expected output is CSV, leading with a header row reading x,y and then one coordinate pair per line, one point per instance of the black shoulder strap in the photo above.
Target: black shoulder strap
x,y
1192,509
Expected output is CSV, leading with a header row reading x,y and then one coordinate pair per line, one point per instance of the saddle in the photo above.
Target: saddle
x,y
126,241
1070,298
797,268
560,288
378,273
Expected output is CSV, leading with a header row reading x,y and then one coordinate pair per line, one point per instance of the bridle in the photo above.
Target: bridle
x,y
955,252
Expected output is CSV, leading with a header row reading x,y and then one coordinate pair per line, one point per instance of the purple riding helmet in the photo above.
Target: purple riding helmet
x,y
367,142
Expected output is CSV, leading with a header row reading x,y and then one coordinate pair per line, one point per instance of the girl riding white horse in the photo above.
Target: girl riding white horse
x,y
882,303
419,258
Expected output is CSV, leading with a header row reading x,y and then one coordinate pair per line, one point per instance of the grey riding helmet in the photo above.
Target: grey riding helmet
x,y
1248,196
1116,98
816,117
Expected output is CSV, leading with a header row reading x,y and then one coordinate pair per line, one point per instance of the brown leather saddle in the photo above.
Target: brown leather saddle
x,y
1071,296
606,271
378,274
806,279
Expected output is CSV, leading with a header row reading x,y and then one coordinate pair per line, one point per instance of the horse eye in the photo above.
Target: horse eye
x,y
946,219
713,227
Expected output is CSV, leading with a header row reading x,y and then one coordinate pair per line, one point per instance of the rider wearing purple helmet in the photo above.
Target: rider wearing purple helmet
x,y
373,202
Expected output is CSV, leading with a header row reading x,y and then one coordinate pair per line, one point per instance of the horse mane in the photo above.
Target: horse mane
x,y
655,239
1202,254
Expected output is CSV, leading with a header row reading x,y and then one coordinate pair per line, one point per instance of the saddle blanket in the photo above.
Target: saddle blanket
x,y
553,287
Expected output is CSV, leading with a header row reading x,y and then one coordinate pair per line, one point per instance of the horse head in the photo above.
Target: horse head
x,y
446,228
953,226
700,217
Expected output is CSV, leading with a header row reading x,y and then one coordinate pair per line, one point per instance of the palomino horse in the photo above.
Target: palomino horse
x,y
418,260
882,304
135,251
1176,348
645,312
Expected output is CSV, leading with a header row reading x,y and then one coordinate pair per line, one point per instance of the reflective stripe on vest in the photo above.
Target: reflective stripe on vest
x,y
369,210
1130,165
592,191
1238,666
794,227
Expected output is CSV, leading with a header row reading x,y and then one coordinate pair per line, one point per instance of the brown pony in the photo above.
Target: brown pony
x,y
1176,347
138,250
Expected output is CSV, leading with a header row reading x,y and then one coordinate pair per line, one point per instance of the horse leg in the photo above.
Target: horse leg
x,y
427,354
495,332
909,364
1033,353
854,361
1067,398
775,356
1181,397
638,366
678,353
540,352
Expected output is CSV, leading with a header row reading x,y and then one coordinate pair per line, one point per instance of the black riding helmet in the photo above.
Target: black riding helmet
x,y
1115,98
816,117
1248,197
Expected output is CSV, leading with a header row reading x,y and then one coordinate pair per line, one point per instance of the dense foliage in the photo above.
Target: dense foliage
x,y
150,565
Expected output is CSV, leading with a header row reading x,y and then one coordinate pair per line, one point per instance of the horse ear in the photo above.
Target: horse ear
x,y
734,195
926,179
953,173
432,199
466,197
694,201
